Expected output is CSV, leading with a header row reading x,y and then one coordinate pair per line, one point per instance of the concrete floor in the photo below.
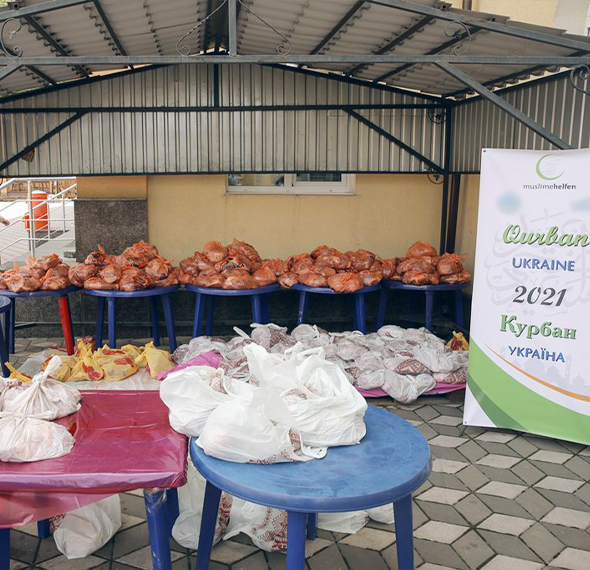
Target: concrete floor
x,y
496,500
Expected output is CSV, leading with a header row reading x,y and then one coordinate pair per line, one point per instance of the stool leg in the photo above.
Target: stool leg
x,y
302,307
208,521
172,506
154,317
312,526
4,353
404,533
296,540
429,309
209,323
459,308
257,310
383,296
99,321
199,309
359,312
4,548
112,317
12,324
169,318
265,310
156,509
66,323
43,529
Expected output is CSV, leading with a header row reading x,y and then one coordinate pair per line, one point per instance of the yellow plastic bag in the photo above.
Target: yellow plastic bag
x,y
16,375
84,346
86,369
117,368
64,372
105,354
131,351
154,359
458,342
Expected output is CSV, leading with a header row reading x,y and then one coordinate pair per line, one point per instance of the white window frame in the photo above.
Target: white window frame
x,y
346,187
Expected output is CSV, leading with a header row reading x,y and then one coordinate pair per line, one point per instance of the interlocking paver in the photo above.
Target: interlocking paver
x,y
584,493
499,489
500,461
550,456
559,484
472,509
447,466
369,539
534,503
443,513
505,506
508,545
472,451
447,421
509,563
428,432
447,481
330,557
501,475
473,549
438,553
361,559
440,532
506,524
572,559
496,437
527,472
522,446
542,542
568,517
564,500
578,466
442,495
573,537
472,478
448,441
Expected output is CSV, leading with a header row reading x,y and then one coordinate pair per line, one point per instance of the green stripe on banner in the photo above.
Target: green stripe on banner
x,y
511,405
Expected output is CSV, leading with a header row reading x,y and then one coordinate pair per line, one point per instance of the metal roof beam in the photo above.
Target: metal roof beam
x,y
232,21
472,20
42,75
109,27
396,41
393,139
122,61
40,141
207,26
342,22
39,9
47,37
504,105
8,70
435,51
221,19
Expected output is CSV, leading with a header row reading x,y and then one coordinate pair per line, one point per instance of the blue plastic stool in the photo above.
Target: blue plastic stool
x,y
111,299
429,291
359,320
391,462
205,298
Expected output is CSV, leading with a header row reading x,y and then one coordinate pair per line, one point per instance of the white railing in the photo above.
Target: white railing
x,y
18,240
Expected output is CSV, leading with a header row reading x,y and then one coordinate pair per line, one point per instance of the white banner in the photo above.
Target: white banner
x,y
529,355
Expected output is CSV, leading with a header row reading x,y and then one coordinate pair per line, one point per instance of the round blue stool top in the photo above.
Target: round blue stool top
x,y
232,292
442,287
40,293
328,291
133,294
391,461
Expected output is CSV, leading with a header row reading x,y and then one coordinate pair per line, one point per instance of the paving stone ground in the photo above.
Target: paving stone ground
x,y
496,500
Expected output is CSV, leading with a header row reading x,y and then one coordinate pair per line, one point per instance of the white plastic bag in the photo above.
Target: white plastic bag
x,y
187,527
191,395
46,395
405,388
348,522
28,438
83,531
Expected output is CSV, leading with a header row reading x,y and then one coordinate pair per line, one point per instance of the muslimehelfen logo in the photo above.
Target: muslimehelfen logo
x,y
549,169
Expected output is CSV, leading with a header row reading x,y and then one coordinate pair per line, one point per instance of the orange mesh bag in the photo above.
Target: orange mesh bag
x,y
288,279
345,282
214,251
245,249
420,249
245,281
450,263
312,279
264,276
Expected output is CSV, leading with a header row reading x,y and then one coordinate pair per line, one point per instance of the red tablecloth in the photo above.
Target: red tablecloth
x,y
123,442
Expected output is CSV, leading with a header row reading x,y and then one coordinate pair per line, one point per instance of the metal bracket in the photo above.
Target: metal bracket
x,y
459,31
283,48
580,73
185,49
436,116
15,51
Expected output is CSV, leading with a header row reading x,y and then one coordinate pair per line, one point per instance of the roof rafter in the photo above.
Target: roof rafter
x,y
341,23
109,27
41,75
39,9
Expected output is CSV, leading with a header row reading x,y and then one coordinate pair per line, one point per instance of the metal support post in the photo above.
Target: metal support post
x,y
31,218
446,174
232,25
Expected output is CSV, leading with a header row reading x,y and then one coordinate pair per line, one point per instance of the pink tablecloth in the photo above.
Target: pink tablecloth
x,y
123,442
440,388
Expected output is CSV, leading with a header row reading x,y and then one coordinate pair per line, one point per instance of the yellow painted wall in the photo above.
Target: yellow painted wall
x,y
467,218
540,12
112,186
387,214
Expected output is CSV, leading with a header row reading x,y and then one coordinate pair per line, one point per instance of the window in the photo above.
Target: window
x,y
326,183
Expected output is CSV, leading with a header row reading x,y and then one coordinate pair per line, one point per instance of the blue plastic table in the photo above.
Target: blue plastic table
x,y
429,291
64,311
5,309
359,319
391,462
111,298
205,296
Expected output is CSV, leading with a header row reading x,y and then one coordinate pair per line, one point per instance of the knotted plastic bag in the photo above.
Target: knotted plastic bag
x,y
46,395
32,438
154,360
86,369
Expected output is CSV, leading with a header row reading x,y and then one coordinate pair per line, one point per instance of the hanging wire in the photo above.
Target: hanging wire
x,y
454,30
15,51
282,49
185,49
434,176
580,73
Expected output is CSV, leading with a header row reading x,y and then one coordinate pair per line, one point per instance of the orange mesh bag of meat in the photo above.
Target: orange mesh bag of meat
x,y
420,249
189,266
209,280
48,261
288,279
172,279
159,268
22,284
462,277
245,249
99,257
227,272
323,270
142,249
110,273
100,284
233,261
277,265
31,268
312,279
371,278
299,263
422,264
52,281
135,280
334,260
245,281
62,270
264,276
345,282
450,263
214,251
361,259
417,277
323,250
